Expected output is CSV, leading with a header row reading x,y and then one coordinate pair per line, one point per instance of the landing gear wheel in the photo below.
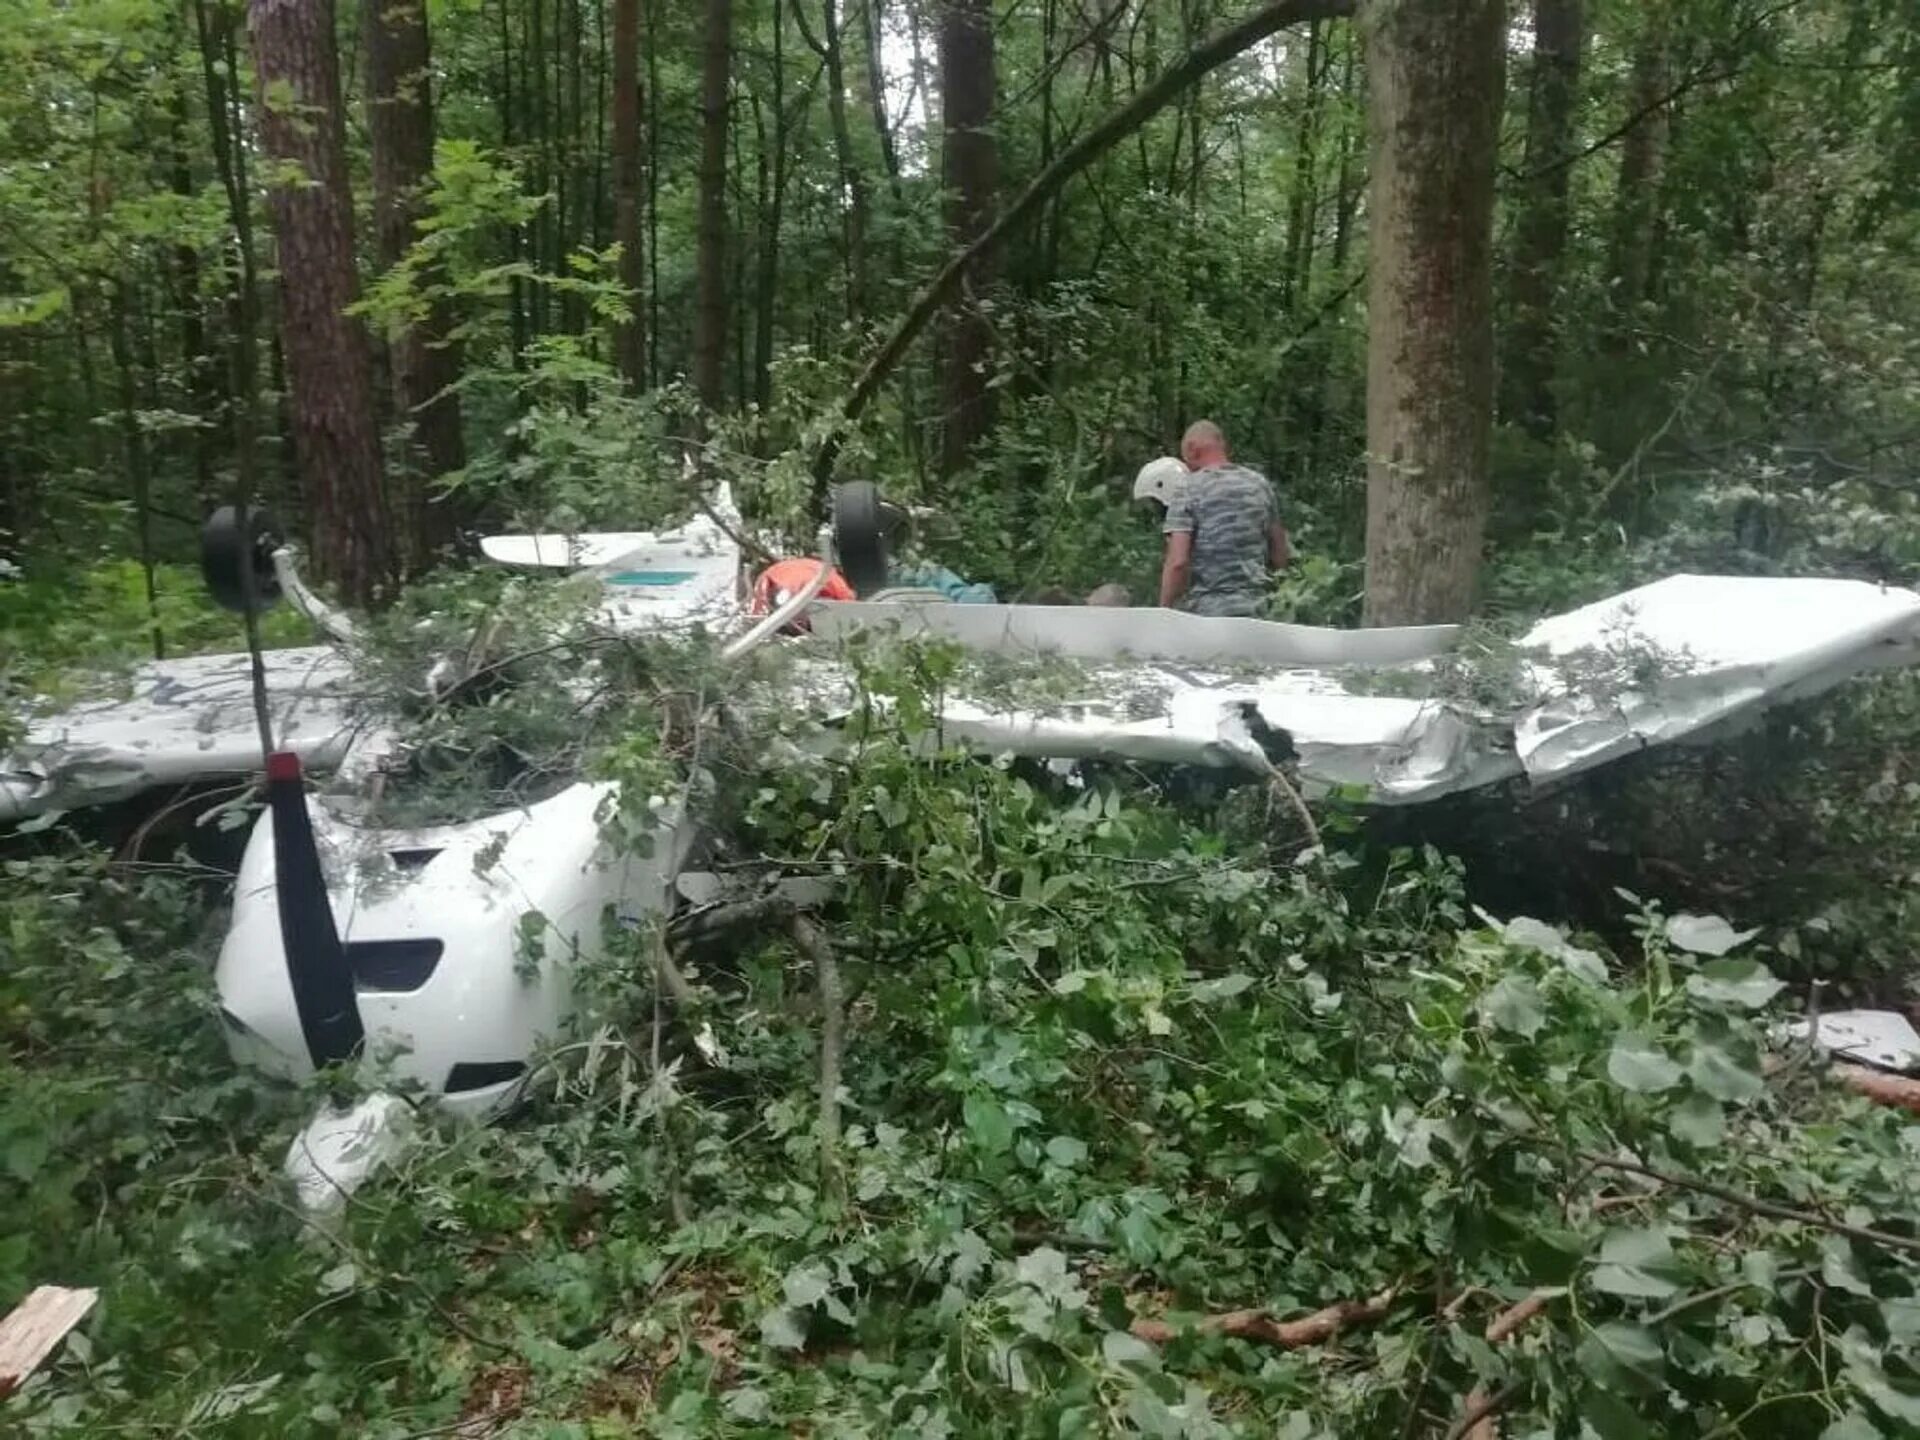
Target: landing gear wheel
x,y
859,536
236,559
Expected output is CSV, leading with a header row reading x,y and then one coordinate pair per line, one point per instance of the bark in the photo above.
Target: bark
x,y
424,359
971,165
203,385
1315,1329
133,454
1302,197
853,185
1636,205
1433,116
1540,239
629,333
710,256
329,371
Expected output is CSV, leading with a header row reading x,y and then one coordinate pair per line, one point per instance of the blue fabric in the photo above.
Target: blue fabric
x,y
937,577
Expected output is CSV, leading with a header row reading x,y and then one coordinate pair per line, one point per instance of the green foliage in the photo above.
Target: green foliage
x,y
1106,1058
62,625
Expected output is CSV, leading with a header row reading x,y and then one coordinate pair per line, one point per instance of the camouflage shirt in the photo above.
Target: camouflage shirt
x,y
1228,510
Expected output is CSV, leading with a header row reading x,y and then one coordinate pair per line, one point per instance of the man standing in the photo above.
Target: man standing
x,y
1223,531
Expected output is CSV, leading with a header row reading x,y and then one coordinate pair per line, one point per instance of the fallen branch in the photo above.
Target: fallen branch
x,y
1477,1422
1315,1329
1147,102
826,969
1756,1206
34,1326
1480,1412
1899,1091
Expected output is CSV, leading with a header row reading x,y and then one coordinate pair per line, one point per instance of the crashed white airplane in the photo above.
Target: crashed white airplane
x,y
405,947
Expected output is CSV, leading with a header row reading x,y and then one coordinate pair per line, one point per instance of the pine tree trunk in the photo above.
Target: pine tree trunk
x,y
424,360
629,333
1434,93
1540,240
710,245
1636,205
971,166
329,372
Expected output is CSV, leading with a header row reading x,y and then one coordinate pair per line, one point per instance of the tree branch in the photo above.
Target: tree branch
x,y
1756,1206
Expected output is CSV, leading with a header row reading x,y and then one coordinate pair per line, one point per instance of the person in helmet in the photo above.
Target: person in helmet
x,y
1159,481
1224,535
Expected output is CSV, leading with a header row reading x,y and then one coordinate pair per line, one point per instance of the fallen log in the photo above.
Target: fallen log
x,y
34,1327
1900,1091
1315,1329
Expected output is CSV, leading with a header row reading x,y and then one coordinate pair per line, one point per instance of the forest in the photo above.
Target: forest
x,y
1146,1104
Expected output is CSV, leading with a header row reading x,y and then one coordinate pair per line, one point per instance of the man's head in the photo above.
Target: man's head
x,y
1203,445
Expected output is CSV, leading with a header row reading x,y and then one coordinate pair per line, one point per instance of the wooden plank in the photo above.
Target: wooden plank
x,y
37,1324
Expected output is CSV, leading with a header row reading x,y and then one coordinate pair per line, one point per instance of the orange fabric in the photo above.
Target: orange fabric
x,y
786,578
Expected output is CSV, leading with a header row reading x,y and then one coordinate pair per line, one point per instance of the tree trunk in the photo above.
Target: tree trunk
x,y
1433,116
853,184
1540,240
424,360
710,253
329,374
1636,205
773,169
1302,195
971,165
629,333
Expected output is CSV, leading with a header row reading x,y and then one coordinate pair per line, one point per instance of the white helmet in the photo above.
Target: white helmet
x,y
1161,480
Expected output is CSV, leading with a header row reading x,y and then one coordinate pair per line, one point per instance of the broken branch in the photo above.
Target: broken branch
x,y
826,969
1900,1091
1315,1329
35,1326
1756,1206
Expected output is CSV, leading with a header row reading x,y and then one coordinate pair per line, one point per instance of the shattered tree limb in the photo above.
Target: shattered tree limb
x,y
826,968
1315,1329
1207,56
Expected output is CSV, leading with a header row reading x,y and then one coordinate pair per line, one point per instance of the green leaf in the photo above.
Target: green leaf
x,y
1699,1121
807,1284
1622,1357
1839,1269
1065,1151
1721,1076
1636,1064
1705,934
1744,983
781,1329
1611,1418
1638,1263
1225,988
988,1122
1514,1004
1851,1426
1119,1347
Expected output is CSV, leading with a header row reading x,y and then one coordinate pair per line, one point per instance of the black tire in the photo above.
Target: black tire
x,y
236,559
859,536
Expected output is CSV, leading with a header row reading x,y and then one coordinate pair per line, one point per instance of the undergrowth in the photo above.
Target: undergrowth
x,y
1108,1060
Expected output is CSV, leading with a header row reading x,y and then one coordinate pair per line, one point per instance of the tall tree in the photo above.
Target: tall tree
x,y
423,359
629,331
971,174
1433,90
710,242
1636,204
336,440
1540,237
